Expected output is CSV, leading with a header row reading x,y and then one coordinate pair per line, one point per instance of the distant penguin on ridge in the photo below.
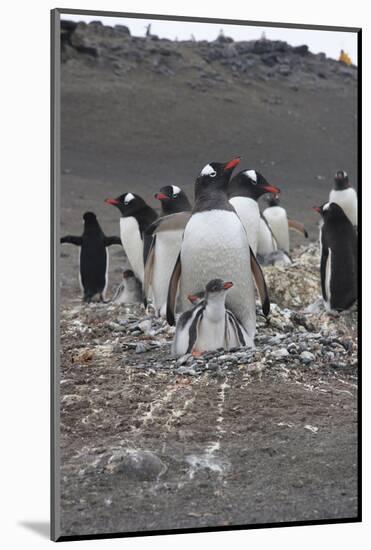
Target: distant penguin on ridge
x,y
345,196
136,216
244,190
94,259
338,241
165,247
209,325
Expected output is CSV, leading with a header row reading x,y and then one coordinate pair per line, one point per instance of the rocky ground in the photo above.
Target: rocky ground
x,y
250,436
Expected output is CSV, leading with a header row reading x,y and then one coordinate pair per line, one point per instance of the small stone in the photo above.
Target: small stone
x,y
141,348
306,357
136,465
280,353
145,326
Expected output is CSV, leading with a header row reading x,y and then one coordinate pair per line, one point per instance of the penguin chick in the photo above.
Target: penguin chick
x,y
209,325
129,291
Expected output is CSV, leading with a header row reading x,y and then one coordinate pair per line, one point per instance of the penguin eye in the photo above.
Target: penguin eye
x,y
174,196
212,174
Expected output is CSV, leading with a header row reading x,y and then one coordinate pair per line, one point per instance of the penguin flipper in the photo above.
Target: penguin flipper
x,y
297,226
172,292
260,283
323,267
147,246
148,266
108,241
172,222
70,239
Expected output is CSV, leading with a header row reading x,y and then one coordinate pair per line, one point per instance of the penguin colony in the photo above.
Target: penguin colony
x,y
200,266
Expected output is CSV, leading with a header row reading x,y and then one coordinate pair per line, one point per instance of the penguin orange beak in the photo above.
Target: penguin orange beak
x,y
192,298
114,202
317,209
227,285
231,164
271,189
161,196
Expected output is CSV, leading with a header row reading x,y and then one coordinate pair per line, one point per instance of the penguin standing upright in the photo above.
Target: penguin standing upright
x,y
345,196
94,257
209,325
129,291
165,247
338,240
215,245
279,223
244,191
136,216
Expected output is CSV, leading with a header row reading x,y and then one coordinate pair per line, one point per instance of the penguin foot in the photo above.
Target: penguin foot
x,y
196,353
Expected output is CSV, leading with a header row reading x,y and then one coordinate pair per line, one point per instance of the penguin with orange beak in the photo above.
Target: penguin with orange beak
x,y
215,245
244,191
165,246
209,325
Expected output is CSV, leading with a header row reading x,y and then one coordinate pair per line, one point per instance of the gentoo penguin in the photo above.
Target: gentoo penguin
x,y
279,223
345,196
244,190
215,245
94,257
338,240
173,199
136,216
209,325
165,247
129,291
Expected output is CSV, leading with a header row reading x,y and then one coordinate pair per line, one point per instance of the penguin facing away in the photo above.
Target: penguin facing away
x,y
345,196
164,248
129,291
244,190
136,216
209,325
338,240
279,223
94,259
215,245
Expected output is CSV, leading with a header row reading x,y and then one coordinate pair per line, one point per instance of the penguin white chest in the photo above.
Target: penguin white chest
x,y
277,218
347,200
266,241
133,244
211,334
248,212
215,245
168,245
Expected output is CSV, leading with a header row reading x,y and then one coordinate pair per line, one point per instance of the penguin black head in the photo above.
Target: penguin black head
x,y
215,176
90,219
250,183
217,285
341,180
129,204
331,211
173,200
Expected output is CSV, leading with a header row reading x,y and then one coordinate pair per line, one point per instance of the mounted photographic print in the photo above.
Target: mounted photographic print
x,y
204,285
